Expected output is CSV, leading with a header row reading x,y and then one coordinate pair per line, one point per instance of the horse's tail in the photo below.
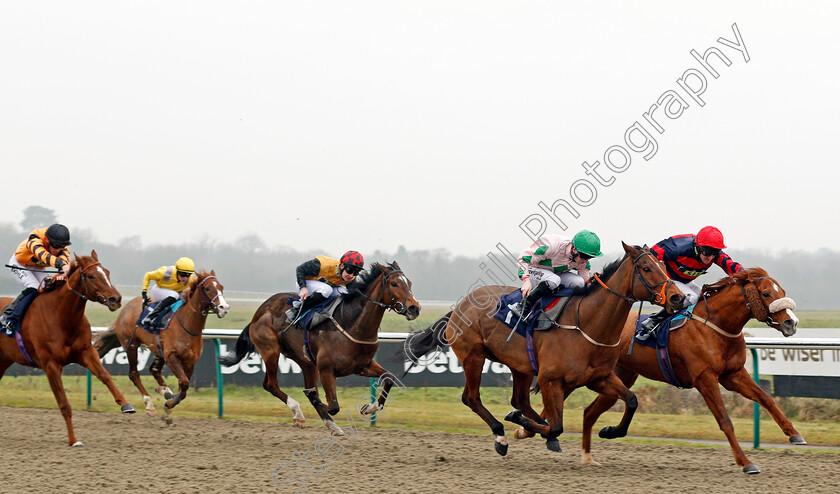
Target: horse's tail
x,y
244,346
106,341
419,343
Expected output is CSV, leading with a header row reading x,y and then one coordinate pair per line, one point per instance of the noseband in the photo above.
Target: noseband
x,y
395,305
759,310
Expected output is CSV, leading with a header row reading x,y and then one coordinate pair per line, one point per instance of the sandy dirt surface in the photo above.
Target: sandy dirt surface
x,y
136,453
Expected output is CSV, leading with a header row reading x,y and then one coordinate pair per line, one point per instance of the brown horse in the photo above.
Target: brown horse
x,y
580,351
56,332
337,351
710,349
181,342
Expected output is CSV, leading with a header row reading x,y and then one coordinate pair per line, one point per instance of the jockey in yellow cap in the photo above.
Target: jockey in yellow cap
x,y
170,281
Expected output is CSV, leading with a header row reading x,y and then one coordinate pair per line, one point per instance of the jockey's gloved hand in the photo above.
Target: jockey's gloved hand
x,y
145,298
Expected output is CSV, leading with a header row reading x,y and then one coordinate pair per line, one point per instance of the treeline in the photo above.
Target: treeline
x,y
247,264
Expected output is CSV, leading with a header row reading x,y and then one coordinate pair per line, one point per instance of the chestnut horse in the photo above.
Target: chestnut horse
x,y
580,351
341,346
710,349
56,332
181,341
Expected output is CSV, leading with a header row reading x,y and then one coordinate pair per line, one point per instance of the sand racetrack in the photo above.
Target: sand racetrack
x,y
136,453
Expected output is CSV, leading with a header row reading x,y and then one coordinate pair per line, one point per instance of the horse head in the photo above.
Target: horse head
x,y
209,292
91,281
396,290
764,297
656,286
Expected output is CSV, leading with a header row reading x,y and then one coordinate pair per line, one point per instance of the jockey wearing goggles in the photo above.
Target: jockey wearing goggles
x,y
43,249
170,281
321,278
545,265
686,257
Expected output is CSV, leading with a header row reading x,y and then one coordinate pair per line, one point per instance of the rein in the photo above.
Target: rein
x,y
398,307
754,305
659,297
212,308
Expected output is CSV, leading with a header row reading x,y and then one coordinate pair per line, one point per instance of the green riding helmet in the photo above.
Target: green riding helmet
x,y
587,243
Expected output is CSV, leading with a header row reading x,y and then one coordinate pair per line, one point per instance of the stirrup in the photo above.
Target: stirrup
x,y
516,309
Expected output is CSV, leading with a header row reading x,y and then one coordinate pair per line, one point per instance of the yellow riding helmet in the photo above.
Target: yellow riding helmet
x,y
185,265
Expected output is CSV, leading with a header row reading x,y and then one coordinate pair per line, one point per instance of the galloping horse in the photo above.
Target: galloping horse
x,y
181,342
338,352
55,332
710,349
580,351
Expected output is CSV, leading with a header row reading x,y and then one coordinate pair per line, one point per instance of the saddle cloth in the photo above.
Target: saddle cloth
x,y
164,321
671,323
314,315
546,310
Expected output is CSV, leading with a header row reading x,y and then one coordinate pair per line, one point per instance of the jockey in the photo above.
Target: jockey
x,y
544,266
43,248
170,281
323,277
686,257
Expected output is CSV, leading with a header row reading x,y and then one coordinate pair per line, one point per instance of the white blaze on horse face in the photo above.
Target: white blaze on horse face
x,y
224,307
793,316
776,287
104,276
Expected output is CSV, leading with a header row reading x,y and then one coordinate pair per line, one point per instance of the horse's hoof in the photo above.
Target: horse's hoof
x,y
521,433
797,440
127,408
168,395
338,431
501,448
78,444
167,419
552,444
514,416
300,424
751,469
151,413
610,432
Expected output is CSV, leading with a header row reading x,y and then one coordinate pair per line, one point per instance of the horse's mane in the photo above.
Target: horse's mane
x,y
350,308
362,282
609,270
741,277
199,275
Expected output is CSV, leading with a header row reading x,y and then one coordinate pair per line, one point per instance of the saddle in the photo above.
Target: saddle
x,y
542,316
313,316
660,343
164,319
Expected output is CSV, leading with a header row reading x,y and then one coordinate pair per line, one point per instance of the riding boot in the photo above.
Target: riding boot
x,y
310,301
7,318
651,323
537,293
157,313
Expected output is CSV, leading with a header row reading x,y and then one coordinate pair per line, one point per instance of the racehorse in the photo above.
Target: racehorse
x,y
581,350
710,349
179,346
343,345
55,332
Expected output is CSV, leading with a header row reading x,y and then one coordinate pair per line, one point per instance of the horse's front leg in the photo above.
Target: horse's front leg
x,y
181,373
90,360
707,385
387,378
603,402
741,382
53,371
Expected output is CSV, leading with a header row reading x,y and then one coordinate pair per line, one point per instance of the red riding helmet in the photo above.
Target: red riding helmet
x,y
709,236
353,258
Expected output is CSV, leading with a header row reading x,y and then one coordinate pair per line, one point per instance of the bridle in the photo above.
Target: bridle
x,y
757,308
657,292
399,307
84,293
212,307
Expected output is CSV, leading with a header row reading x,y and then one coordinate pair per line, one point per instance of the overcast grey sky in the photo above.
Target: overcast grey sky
x,y
372,124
